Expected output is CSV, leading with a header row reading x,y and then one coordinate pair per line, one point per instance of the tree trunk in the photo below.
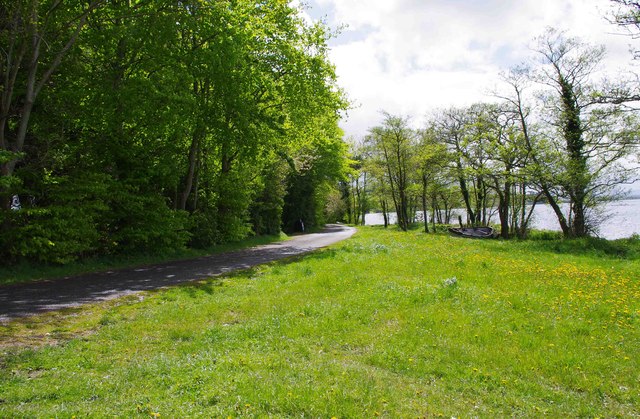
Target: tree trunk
x,y
577,170
579,224
465,194
505,199
433,219
188,184
33,84
424,203
403,217
363,198
385,214
357,203
562,220
566,231
196,189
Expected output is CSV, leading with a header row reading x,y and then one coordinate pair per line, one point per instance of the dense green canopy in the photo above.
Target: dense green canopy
x,y
149,125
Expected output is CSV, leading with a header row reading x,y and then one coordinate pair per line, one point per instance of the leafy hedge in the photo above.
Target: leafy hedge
x,y
82,217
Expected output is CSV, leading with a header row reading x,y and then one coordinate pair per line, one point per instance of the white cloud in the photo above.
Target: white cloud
x,y
410,56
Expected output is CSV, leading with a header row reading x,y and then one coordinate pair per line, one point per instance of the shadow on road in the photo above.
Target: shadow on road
x,y
28,299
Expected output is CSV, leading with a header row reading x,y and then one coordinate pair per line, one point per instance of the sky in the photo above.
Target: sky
x,y
410,57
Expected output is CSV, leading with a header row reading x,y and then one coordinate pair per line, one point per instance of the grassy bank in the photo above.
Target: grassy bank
x,y
387,323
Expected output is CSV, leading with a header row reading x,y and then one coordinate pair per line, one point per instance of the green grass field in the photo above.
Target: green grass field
x,y
385,324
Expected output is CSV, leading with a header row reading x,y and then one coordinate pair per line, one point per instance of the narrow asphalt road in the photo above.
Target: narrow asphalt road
x,y
22,300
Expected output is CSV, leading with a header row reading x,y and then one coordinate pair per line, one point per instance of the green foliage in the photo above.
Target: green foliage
x,y
6,156
266,209
394,144
300,204
232,206
335,207
171,114
58,234
204,228
79,217
8,184
321,163
143,222
66,228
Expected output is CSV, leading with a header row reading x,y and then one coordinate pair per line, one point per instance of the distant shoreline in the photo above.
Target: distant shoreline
x,y
618,218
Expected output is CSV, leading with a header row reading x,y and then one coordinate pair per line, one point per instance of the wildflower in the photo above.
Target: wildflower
x,y
450,282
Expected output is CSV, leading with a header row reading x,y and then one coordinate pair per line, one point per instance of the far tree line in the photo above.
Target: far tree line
x,y
554,134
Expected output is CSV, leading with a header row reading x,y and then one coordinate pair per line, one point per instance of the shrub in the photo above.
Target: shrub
x,y
142,222
80,217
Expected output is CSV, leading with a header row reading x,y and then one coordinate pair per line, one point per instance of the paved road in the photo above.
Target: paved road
x,y
29,299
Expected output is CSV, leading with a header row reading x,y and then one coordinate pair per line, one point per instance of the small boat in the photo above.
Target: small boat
x,y
473,232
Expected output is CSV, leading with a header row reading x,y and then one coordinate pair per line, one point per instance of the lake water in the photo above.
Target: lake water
x,y
620,219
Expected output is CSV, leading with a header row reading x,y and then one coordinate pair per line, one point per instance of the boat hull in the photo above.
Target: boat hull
x,y
473,232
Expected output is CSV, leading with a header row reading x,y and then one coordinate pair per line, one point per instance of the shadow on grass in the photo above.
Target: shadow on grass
x,y
193,290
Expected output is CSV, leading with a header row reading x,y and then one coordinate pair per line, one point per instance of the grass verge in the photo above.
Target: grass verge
x,y
387,323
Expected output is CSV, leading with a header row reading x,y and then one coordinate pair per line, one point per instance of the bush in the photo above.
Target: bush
x,y
63,226
266,209
141,222
80,217
204,230
56,234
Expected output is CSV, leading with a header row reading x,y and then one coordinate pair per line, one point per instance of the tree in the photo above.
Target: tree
x,y
379,182
320,163
157,117
37,36
359,184
396,141
432,158
508,159
592,135
627,16
453,129
533,170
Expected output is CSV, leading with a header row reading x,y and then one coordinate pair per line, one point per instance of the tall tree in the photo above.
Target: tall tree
x,y
36,36
593,136
396,142
536,172
627,16
452,128
508,157
152,112
432,158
